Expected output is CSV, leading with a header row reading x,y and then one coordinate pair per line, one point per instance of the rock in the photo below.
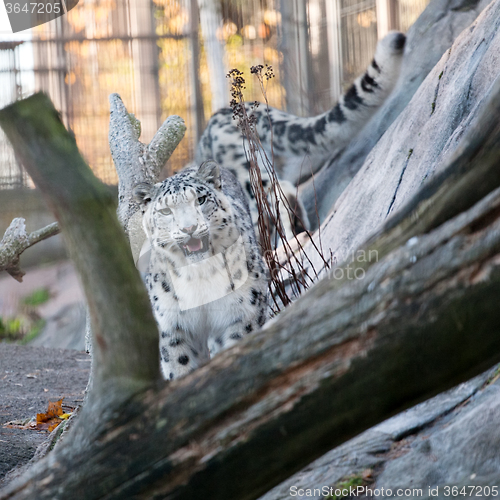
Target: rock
x,y
427,40
381,447
420,141
461,449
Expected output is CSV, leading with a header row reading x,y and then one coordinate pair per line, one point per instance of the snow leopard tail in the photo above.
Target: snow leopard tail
x,y
331,131
319,135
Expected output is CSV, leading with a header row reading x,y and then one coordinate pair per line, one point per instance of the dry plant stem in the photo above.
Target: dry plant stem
x,y
125,336
16,240
269,165
293,272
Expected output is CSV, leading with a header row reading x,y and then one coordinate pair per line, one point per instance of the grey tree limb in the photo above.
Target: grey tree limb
x,y
423,318
137,162
16,240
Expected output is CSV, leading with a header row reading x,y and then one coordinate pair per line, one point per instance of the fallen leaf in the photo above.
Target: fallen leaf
x,y
44,421
50,420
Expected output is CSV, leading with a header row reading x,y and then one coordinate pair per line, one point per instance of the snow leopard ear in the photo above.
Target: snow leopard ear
x,y
143,193
209,172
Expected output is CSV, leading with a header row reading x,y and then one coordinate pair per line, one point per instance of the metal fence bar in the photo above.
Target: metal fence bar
x,y
150,51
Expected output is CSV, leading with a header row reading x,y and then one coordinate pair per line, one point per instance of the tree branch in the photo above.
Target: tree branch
x,y
134,161
125,334
16,240
137,162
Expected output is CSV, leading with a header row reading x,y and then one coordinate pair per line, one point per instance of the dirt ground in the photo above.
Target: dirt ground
x,y
51,367
30,377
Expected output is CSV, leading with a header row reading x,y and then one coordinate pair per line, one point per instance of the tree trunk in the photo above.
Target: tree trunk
x,y
118,303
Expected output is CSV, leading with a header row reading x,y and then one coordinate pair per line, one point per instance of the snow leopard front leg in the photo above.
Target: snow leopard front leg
x,y
181,350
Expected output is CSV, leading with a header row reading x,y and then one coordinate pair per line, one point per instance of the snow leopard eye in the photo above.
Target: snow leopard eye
x,y
165,211
202,200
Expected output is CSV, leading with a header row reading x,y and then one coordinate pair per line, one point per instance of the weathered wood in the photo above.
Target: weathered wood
x,y
338,361
137,162
16,240
125,332
346,355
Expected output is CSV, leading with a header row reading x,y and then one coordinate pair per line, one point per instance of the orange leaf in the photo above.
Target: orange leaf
x,y
53,426
50,419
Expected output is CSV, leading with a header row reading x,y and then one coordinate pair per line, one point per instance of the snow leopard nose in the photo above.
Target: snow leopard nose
x,y
189,230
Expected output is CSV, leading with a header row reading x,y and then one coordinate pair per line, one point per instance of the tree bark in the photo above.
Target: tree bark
x,y
16,240
136,162
346,355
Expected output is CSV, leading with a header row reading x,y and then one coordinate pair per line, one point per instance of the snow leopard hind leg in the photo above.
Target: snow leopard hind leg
x,y
292,139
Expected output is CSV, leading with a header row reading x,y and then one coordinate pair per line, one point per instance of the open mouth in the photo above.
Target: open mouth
x,y
195,246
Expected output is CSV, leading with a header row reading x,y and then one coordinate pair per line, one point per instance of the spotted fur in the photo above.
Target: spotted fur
x,y
203,247
292,138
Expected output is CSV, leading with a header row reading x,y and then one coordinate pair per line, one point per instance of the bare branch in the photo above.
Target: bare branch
x,y
16,240
134,161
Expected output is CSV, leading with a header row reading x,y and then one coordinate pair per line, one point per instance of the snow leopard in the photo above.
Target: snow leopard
x,y
206,279
290,139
